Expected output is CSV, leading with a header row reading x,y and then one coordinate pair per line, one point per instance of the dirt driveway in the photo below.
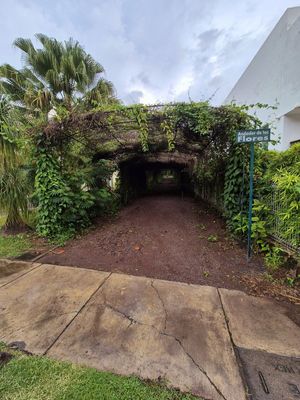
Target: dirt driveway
x,y
163,237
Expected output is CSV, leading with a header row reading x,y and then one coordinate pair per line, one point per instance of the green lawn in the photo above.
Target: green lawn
x,y
14,245
40,378
2,219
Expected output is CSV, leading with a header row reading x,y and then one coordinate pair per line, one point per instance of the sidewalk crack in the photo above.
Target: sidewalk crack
x,y
234,348
79,311
195,363
162,303
134,321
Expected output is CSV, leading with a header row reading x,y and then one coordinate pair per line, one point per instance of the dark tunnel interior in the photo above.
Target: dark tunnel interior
x,y
140,178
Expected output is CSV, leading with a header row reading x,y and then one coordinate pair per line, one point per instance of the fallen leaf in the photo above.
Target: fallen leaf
x,y
58,251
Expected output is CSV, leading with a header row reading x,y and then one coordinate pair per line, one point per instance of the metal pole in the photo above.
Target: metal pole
x,y
251,171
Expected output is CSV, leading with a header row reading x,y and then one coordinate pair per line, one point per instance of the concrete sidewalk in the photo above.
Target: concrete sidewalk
x,y
187,335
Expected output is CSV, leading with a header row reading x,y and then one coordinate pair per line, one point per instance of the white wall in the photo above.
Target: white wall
x,y
291,128
273,77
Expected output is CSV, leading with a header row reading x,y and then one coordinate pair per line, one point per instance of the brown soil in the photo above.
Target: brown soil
x,y
15,230
38,247
5,358
166,237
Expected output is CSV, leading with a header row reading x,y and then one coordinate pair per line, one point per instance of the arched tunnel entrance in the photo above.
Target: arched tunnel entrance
x,y
149,150
158,234
140,176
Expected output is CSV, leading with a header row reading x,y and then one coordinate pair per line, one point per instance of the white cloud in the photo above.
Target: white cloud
x,y
159,50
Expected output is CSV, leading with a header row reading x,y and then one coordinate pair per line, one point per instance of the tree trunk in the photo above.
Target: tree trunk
x,y
14,222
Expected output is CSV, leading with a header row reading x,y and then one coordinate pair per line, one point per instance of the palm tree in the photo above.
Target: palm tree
x,y
56,73
13,187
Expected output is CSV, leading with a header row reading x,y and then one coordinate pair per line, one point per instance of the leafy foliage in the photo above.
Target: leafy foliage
x,y
63,207
168,130
205,131
195,118
283,178
140,116
259,229
274,258
106,203
70,190
56,73
288,185
60,76
13,176
236,185
213,238
277,181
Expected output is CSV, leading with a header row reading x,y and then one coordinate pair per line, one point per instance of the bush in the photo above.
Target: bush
x,y
106,203
276,207
63,205
274,259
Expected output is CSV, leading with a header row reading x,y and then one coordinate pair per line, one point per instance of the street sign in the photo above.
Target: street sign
x,y
253,135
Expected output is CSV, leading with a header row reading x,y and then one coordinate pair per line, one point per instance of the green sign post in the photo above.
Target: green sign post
x,y
252,136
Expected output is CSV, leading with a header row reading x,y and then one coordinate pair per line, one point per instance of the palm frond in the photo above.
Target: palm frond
x,y
55,72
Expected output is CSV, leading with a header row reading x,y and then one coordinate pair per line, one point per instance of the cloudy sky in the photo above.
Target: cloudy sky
x,y
152,50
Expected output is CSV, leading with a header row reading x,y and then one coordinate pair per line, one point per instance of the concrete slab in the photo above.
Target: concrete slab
x,y
259,324
270,376
36,308
156,330
11,270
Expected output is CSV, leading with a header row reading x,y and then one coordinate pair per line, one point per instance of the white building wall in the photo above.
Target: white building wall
x,y
291,123
273,77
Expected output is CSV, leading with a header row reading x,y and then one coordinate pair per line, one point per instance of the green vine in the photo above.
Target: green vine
x,y
52,195
168,129
202,130
139,113
62,203
236,185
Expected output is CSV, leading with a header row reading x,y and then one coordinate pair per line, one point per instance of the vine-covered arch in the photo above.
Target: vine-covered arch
x,y
197,135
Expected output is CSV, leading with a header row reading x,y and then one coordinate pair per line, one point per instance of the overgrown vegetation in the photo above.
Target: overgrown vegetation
x,y
208,132
62,204
35,378
14,185
281,179
70,159
276,209
60,78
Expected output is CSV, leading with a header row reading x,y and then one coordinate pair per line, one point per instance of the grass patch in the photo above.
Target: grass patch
x,y
2,219
213,238
202,227
40,378
14,245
